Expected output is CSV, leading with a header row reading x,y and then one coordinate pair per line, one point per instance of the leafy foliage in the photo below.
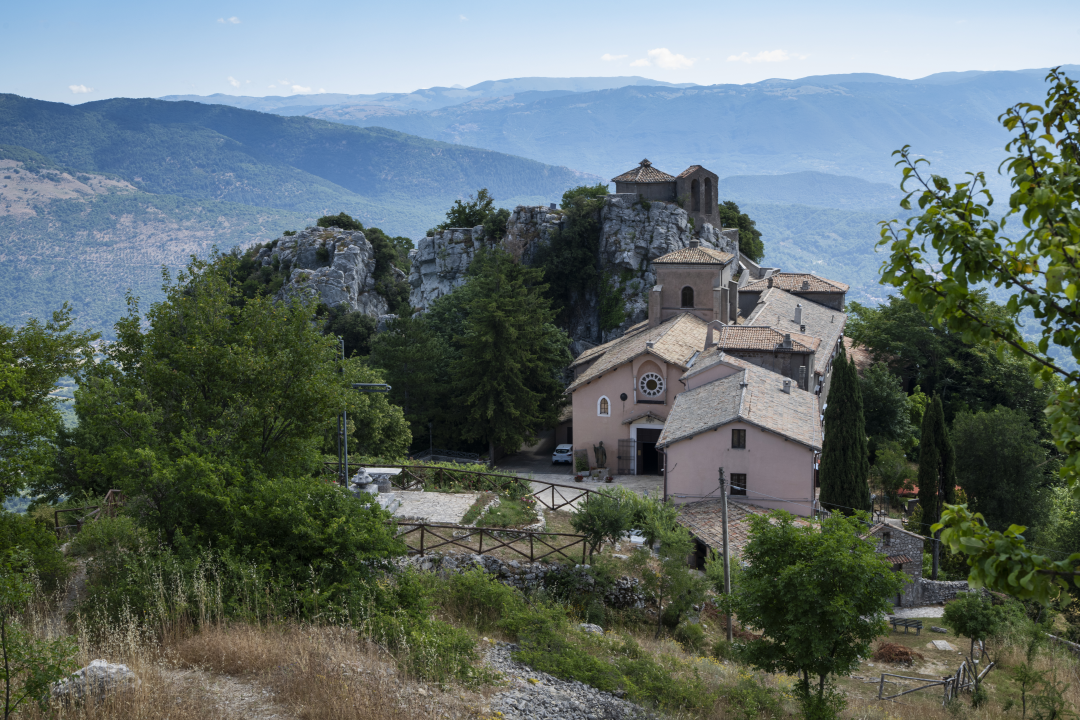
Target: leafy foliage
x,y
32,359
884,407
38,548
845,465
818,596
941,255
606,517
750,243
475,211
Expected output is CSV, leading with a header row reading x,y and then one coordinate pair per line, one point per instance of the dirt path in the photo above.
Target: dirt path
x,y
232,697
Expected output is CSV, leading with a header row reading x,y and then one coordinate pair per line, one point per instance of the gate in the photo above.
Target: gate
x,y
627,453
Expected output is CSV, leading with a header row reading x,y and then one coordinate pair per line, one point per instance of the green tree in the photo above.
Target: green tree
x,y
32,359
892,472
470,213
605,517
342,220
668,577
974,616
818,596
885,407
415,361
28,666
354,327
207,395
507,378
750,243
937,470
954,246
845,465
999,464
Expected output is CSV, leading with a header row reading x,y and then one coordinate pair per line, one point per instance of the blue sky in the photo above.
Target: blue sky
x,y
77,51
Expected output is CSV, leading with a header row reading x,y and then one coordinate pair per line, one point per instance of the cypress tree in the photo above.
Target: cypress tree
x,y
937,472
845,462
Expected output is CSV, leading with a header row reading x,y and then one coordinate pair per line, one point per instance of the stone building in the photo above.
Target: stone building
x,y
904,550
695,189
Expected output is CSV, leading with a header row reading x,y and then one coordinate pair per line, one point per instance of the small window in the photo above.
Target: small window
x,y
738,439
738,484
688,297
603,407
886,539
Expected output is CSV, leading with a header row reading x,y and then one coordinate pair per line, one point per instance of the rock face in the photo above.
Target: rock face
x,y
632,235
335,265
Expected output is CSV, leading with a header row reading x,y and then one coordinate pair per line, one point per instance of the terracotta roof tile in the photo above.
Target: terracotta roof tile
x,y
675,341
898,559
691,169
704,520
776,309
695,256
754,396
796,282
752,337
644,173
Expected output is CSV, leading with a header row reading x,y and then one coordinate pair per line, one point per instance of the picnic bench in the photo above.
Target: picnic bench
x,y
906,623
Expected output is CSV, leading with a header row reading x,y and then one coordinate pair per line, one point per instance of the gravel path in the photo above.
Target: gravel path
x,y
535,695
434,507
927,611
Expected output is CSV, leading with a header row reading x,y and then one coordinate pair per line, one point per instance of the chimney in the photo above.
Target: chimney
x,y
805,284
787,342
802,329
798,314
712,337
770,281
787,386
654,305
552,206
650,344
694,242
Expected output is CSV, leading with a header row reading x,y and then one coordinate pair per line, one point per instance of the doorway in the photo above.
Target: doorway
x,y
648,457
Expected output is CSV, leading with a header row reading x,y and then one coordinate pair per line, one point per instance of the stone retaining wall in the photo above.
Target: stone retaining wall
x,y
531,576
939,591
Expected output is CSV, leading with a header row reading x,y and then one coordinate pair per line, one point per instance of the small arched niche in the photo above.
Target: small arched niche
x,y
695,196
706,197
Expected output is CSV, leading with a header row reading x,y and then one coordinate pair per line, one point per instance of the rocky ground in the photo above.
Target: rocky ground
x,y
535,695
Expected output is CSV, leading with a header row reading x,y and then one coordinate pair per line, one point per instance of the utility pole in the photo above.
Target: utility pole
x,y
431,441
345,419
727,551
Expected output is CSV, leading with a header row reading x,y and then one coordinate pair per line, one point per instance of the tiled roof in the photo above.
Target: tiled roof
x,y
647,415
754,396
695,256
694,168
752,337
776,309
675,341
898,559
704,520
644,173
796,282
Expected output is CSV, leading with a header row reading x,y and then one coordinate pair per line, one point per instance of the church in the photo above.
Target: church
x,y
730,370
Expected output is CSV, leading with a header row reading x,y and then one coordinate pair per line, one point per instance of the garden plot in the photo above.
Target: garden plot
x,y
434,507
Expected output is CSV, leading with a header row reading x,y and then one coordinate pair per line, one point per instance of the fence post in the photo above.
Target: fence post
x,y
421,541
481,543
582,551
881,687
531,547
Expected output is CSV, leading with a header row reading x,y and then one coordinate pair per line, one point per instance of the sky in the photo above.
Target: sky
x,y
75,51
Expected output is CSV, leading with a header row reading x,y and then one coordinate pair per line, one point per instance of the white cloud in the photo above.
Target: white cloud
x,y
79,89
271,87
462,18
300,89
229,21
763,56
286,83
233,81
664,58
607,57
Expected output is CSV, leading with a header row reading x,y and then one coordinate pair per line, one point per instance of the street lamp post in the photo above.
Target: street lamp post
x,y
365,388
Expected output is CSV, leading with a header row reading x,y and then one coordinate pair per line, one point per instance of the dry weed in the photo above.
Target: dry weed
x,y
890,652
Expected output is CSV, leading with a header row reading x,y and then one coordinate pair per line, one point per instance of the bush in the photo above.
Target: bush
x,y
605,517
750,700
341,220
117,533
41,547
691,636
478,599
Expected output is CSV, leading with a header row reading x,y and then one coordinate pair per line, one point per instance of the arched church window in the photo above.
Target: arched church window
x,y
706,200
695,196
603,407
688,297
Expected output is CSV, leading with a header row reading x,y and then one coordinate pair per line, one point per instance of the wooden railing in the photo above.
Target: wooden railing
x,y
113,500
963,680
553,497
431,536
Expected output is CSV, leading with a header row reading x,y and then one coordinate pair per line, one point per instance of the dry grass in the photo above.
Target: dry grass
x,y
890,652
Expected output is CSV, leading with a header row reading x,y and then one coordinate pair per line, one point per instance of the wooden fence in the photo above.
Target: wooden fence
x,y
426,537
113,500
963,680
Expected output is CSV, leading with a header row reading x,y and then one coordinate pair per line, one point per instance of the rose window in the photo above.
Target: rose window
x,y
651,385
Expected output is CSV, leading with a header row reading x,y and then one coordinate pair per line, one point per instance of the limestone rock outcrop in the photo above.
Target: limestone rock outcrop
x,y
632,235
335,265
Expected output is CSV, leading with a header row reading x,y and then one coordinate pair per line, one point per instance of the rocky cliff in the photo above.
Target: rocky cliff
x,y
337,265
632,235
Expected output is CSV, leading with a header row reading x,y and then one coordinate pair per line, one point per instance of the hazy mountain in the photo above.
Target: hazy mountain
x,y
810,188
427,99
95,198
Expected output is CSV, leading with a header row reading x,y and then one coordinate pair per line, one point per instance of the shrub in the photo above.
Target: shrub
x,y
478,599
605,517
750,700
119,533
341,220
691,636
42,549
895,653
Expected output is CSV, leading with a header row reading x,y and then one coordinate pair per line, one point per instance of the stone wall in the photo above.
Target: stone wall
x,y
335,265
933,592
893,541
530,576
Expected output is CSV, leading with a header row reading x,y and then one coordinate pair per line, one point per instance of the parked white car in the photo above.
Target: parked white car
x,y
563,454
